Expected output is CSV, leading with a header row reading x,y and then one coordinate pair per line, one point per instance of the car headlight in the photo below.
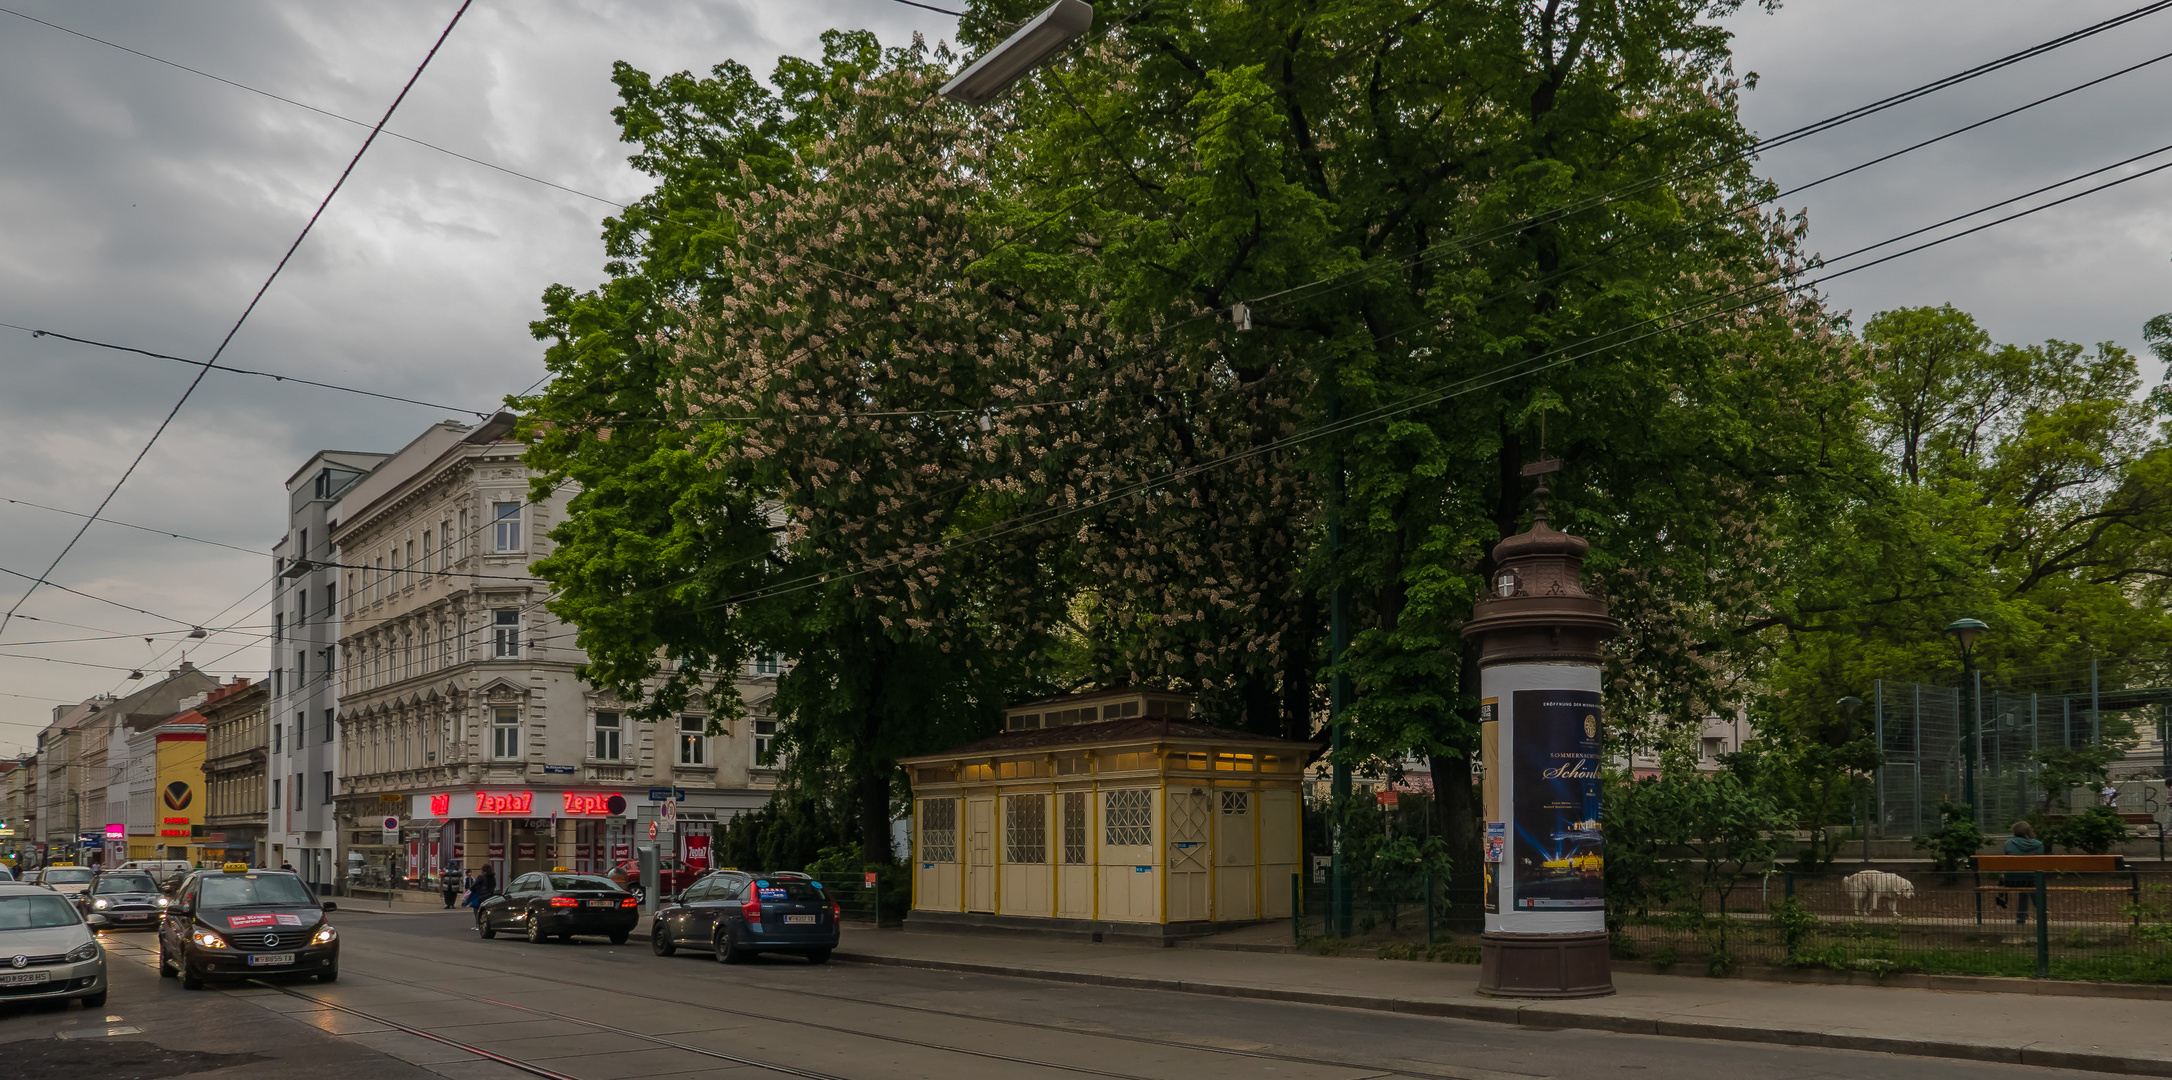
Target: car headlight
x,y
325,935
162,901
86,951
209,940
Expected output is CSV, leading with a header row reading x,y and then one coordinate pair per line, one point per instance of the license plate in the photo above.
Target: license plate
x,y
135,918
799,920
31,978
603,903
270,959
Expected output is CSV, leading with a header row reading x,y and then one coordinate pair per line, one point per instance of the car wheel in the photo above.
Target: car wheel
x,y
620,937
165,963
660,941
331,975
190,980
95,1001
819,956
727,952
536,936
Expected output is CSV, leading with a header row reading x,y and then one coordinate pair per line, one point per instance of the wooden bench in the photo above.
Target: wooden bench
x,y
2050,864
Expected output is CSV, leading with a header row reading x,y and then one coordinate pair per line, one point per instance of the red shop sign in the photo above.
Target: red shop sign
x,y
518,803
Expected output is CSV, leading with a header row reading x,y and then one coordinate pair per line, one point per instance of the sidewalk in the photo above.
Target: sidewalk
x,y
2103,1034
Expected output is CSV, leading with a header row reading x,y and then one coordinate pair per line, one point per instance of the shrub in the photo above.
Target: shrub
x,y
1955,839
2094,830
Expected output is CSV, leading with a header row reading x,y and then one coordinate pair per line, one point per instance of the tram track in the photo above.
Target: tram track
x,y
1366,1070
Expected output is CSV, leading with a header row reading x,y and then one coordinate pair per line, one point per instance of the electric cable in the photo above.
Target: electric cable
x,y
140,528
246,312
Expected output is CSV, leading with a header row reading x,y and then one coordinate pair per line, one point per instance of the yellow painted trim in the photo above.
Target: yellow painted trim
x,y
1001,827
1094,826
913,854
1259,854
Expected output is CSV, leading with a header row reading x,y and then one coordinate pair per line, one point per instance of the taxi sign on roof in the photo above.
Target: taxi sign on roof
x,y
236,868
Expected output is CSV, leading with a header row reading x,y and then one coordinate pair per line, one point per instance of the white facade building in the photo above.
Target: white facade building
x,y
460,716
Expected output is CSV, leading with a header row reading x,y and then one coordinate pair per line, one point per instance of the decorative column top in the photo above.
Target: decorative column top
x,y
1535,609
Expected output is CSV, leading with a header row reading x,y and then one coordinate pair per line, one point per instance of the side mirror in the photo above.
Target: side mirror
x,y
330,906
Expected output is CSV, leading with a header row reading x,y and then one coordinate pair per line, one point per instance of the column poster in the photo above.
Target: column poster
x,y
1559,865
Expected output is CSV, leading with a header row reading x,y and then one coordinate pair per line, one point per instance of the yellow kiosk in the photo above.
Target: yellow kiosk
x,y
1107,812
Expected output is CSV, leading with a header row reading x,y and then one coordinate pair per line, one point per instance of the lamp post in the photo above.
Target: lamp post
x,y
1966,631
1021,52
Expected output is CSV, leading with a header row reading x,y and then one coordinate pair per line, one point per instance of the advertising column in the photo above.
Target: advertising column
x,y
1541,729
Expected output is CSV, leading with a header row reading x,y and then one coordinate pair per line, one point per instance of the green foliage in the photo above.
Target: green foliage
x,y
793,829
1687,840
1954,840
2093,830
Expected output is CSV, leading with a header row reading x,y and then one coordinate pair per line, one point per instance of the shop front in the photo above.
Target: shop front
x,y
517,831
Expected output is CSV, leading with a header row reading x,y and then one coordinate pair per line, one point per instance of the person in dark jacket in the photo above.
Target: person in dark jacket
x,y
448,885
486,885
2023,842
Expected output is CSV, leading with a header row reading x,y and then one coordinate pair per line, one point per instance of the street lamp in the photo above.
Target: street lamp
x,y
1966,631
1021,52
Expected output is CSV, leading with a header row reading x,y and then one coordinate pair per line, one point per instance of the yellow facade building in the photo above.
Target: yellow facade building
x,y
1107,812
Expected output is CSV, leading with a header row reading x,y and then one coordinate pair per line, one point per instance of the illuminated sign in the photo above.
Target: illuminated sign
x,y
589,802
173,832
440,805
168,821
505,802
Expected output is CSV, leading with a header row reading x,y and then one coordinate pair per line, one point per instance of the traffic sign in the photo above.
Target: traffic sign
x,y
392,824
663,794
668,813
652,830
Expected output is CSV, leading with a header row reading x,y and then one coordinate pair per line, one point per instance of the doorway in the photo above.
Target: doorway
x,y
980,869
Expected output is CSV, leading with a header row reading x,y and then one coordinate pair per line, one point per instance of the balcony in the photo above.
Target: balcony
x,y
607,772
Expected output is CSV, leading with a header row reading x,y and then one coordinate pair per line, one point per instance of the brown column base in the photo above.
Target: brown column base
x,y
1544,965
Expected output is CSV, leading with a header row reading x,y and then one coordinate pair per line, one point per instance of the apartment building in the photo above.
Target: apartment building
x,y
462,722
301,771
237,744
18,795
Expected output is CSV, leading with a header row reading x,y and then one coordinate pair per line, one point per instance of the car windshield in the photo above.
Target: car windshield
x,y
785,889
36,912
241,890
125,883
68,875
582,881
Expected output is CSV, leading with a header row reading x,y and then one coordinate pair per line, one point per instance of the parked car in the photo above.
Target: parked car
x,y
672,875
164,871
127,898
53,952
560,904
235,922
735,914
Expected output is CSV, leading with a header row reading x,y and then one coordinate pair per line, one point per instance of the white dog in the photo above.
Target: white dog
x,y
1871,888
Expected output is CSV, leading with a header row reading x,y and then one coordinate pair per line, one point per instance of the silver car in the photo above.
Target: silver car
x,y
46,949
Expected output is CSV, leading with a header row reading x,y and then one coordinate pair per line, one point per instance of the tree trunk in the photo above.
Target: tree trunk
x,y
872,802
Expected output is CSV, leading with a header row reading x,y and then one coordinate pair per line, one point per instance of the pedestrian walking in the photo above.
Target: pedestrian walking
x,y
449,886
2023,842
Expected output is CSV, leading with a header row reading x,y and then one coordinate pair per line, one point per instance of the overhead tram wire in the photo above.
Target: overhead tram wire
x,y
246,312
312,108
139,528
273,376
89,596
1665,323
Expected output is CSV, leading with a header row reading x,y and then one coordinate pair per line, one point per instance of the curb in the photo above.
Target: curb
x,y
1549,1016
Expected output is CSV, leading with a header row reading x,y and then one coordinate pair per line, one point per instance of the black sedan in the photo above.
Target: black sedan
x,y
560,904
735,914
241,923
125,898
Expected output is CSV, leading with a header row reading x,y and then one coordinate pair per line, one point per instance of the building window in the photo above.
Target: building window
x,y
444,645
939,830
425,654
444,552
767,663
275,740
1074,827
331,725
765,736
327,786
1129,818
693,740
408,566
1236,803
278,627
505,633
505,734
1025,829
607,736
331,599
505,526
425,565
275,795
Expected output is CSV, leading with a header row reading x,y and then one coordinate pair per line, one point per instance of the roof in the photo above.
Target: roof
x,y
1128,729
1097,695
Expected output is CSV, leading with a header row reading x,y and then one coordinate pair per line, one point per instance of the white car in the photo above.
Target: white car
x,y
68,881
47,950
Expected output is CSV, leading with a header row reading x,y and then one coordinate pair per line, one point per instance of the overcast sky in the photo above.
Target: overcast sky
x,y
142,205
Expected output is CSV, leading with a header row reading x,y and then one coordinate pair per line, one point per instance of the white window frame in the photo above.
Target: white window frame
x,y
505,634
693,742
505,736
597,729
505,520
764,736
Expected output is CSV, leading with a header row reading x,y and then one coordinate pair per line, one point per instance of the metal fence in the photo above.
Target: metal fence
x,y
2114,926
856,900
1419,917
1928,732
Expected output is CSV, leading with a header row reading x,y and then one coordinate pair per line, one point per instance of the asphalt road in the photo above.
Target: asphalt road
x,y
421,996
